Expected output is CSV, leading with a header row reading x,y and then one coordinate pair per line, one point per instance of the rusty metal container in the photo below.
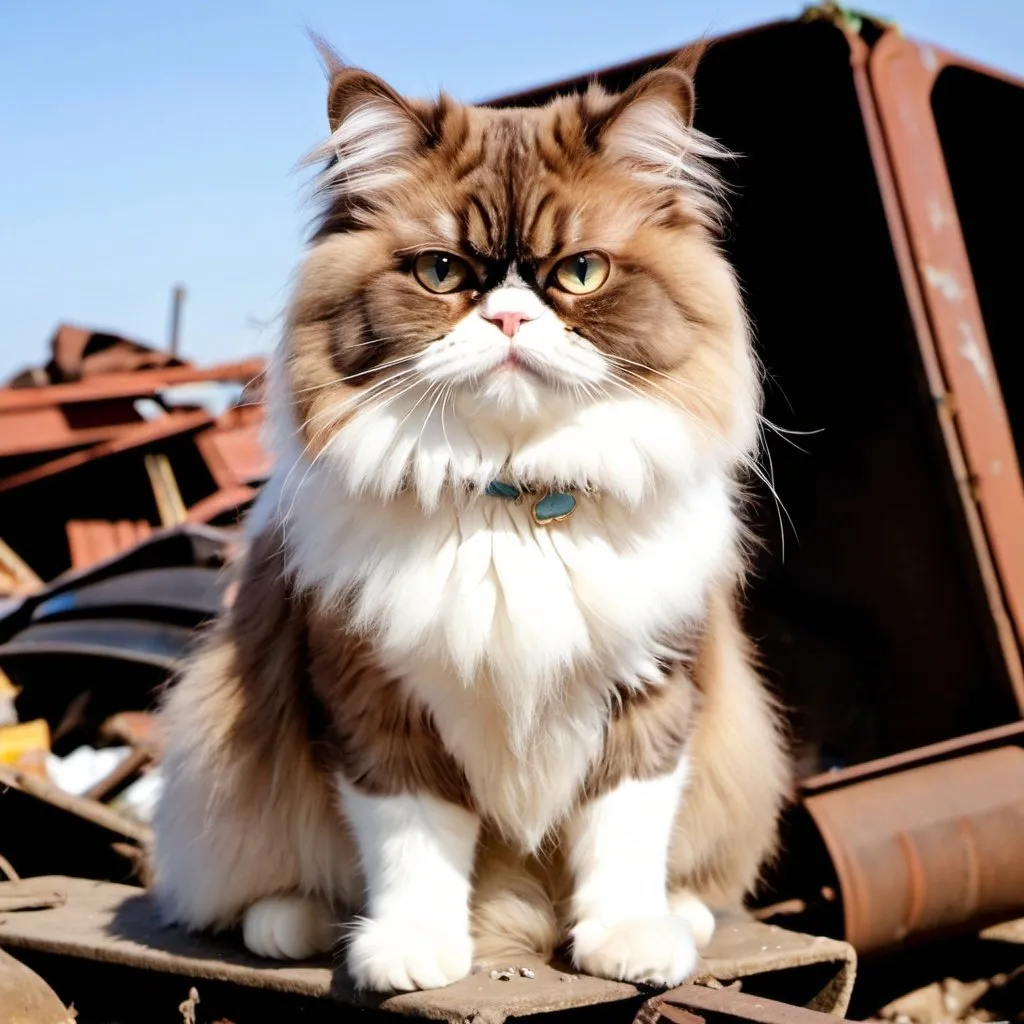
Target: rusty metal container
x,y
925,849
891,619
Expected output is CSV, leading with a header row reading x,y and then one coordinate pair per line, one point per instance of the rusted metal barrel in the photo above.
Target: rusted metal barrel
x,y
929,849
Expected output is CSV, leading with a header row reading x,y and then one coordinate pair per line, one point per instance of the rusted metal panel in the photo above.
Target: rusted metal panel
x,y
537,94
53,427
988,739
929,849
80,352
141,436
233,450
139,729
91,541
122,385
902,75
945,403
117,923
690,1004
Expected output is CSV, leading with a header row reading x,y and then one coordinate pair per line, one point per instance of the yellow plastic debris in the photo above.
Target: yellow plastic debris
x,y
27,741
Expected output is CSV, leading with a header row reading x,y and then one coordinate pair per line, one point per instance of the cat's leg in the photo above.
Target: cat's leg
x,y
247,827
417,855
277,861
618,846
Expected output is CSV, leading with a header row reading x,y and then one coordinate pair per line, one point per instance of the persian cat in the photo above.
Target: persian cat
x,y
483,688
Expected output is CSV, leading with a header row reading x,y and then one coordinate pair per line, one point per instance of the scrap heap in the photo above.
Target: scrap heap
x,y
870,233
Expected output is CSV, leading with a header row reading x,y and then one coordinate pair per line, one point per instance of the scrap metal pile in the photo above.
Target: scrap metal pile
x,y
869,235
122,474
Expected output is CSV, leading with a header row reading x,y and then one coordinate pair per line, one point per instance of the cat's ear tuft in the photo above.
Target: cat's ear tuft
x,y
648,130
650,123
357,93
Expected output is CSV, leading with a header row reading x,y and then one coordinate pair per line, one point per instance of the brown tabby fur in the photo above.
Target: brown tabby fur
x,y
285,692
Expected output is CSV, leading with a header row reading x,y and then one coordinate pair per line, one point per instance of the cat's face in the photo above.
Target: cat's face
x,y
516,265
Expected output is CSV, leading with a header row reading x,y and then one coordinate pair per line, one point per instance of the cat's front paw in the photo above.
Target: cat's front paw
x,y
398,956
658,950
288,928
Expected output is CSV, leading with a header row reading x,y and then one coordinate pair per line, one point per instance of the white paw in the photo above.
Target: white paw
x,y
659,950
288,928
695,912
396,956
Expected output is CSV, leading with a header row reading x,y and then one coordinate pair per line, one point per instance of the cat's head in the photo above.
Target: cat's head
x,y
481,279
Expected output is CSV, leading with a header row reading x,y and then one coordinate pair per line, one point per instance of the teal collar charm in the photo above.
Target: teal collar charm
x,y
550,507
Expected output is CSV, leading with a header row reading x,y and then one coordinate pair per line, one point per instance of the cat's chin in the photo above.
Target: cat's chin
x,y
516,390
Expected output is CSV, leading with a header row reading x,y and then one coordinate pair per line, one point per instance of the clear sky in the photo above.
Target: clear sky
x,y
145,143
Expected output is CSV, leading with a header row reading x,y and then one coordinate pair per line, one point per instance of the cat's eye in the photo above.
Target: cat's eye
x,y
441,272
581,274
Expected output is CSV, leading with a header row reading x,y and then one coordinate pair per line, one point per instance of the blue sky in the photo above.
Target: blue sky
x,y
146,143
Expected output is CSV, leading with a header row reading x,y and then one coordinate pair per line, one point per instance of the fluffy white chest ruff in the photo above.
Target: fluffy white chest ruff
x,y
515,636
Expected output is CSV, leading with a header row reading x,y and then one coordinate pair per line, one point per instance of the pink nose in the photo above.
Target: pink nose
x,y
508,322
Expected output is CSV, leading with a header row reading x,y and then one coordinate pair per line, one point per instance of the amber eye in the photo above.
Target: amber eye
x,y
583,273
442,272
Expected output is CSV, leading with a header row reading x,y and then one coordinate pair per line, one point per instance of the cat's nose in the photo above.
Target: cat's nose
x,y
509,323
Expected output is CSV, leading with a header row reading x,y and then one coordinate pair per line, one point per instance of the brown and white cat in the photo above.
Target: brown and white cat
x,y
484,681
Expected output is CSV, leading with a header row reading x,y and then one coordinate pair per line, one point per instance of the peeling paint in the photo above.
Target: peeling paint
x,y
945,282
929,60
938,215
971,351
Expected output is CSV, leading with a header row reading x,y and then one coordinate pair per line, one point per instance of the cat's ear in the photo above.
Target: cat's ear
x,y
649,131
650,124
356,92
374,130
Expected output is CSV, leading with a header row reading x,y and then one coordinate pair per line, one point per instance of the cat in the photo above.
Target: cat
x,y
484,683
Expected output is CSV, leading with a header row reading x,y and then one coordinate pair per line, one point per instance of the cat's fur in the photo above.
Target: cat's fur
x,y
422,705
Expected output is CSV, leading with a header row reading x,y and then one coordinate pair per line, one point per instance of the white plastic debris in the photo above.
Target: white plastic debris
x,y
83,768
139,800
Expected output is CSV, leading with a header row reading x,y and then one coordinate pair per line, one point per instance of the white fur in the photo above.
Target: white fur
x,y
288,928
513,636
215,856
365,150
417,857
618,847
666,152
